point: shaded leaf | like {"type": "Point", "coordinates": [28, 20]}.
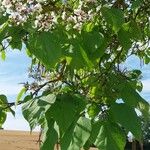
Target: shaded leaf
{"type": "Point", "coordinates": [110, 136]}
{"type": "Point", "coordinates": [122, 114]}
{"type": "Point", "coordinates": [68, 135]}
{"type": "Point", "coordinates": [46, 47]}
{"type": "Point", "coordinates": [124, 39]}
{"type": "Point", "coordinates": [34, 110]}
{"type": "Point", "coordinates": [65, 109]}
{"type": "Point", "coordinates": [132, 98]}
{"type": "Point", "coordinates": [94, 44]}
{"type": "Point", "coordinates": [113, 17]}
{"type": "Point", "coordinates": [136, 4]}
{"type": "Point", "coordinates": [81, 133]}
{"type": "Point", "coordinates": [3, 99]}
{"type": "Point", "coordinates": [49, 137]}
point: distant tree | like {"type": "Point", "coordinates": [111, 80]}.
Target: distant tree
{"type": "Point", "coordinates": [146, 131]}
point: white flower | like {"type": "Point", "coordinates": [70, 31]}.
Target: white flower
{"type": "Point", "coordinates": [37, 7]}
{"type": "Point", "coordinates": [6, 2]}
{"type": "Point", "coordinates": [20, 11]}
{"type": "Point", "coordinates": [63, 16]}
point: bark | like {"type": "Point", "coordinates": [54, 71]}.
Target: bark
{"type": "Point", "coordinates": [134, 145]}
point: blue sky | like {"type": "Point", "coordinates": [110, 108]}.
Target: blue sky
{"type": "Point", "coordinates": [134, 63]}
{"type": "Point", "coordinates": [14, 71]}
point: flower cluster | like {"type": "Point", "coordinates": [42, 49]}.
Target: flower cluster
{"type": "Point", "coordinates": [20, 11]}
{"type": "Point", "coordinates": [45, 21]}
{"type": "Point", "coordinates": [83, 13]}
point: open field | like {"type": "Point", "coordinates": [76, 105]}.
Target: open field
{"type": "Point", "coordinates": [16, 140]}
{"type": "Point", "coordinates": [19, 140]}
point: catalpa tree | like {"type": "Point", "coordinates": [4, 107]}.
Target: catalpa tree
{"type": "Point", "coordinates": [82, 93]}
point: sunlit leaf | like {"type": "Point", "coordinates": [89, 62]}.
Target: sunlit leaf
{"type": "Point", "coordinates": [20, 94]}
{"type": "Point", "coordinates": [3, 116]}
{"type": "Point", "coordinates": [3, 55]}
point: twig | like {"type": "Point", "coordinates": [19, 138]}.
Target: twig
{"type": "Point", "coordinates": [9, 105]}
{"type": "Point", "coordinates": [52, 81]}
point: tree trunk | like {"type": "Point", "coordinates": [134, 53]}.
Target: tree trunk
{"type": "Point", "coordinates": [134, 145]}
{"type": "Point", "coordinates": [141, 145]}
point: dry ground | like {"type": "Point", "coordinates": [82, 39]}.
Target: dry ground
{"type": "Point", "coordinates": [16, 140]}
{"type": "Point", "coordinates": [19, 140]}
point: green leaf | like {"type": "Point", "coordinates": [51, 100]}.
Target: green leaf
{"type": "Point", "coordinates": [27, 98]}
{"type": "Point", "coordinates": [146, 59]}
{"type": "Point", "coordinates": [3, 116]}
{"type": "Point", "coordinates": [113, 17]}
{"type": "Point", "coordinates": [136, 73]}
{"type": "Point", "coordinates": [20, 94]}
{"type": "Point", "coordinates": [46, 47]}
{"type": "Point", "coordinates": [34, 110]}
{"type": "Point", "coordinates": [124, 39]}
{"type": "Point", "coordinates": [94, 44]}
{"type": "Point", "coordinates": [4, 105]}
{"type": "Point", "coordinates": [3, 18]}
{"type": "Point", "coordinates": [132, 98]}
{"type": "Point", "coordinates": [85, 49]}
{"type": "Point", "coordinates": [110, 137]}
{"type": "Point", "coordinates": [96, 125]}
{"type": "Point", "coordinates": [17, 33]}
{"type": "Point", "coordinates": [65, 109]}
{"type": "Point", "coordinates": [136, 4]}
{"type": "Point", "coordinates": [75, 58]}
{"type": "Point", "coordinates": [139, 86]}
{"type": "Point", "coordinates": [28, 53]}
{"type": "Point", "coordinates": [50, 136]}
{"type": "Point", "coordinates": [147, 31]}
{"type": "Point", "coordinates": [81, 133]}
{"type": "Point", "coordinates": [89, 27]}
{"type": "Point", "coordinates": [85, 57]}
{"type": "Point", "coordinates": [68, 135]}
{"type": "Point", "coordinates": [30, 110]}
{"type": "Point", "coordinates": [3, 55]}
{"type": "Point", "coordinates": [144, 107]}
{"type": "Point", "coordinates": [135, 35]}
{"type": "Point", "coordinates": [126, 115]}
{"type": "Point", "coordinates": [3, 31]}
{"type": "Point", "coordinates": [93, 110]}
{"type": "Point", "coordinates": [3, 99]}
